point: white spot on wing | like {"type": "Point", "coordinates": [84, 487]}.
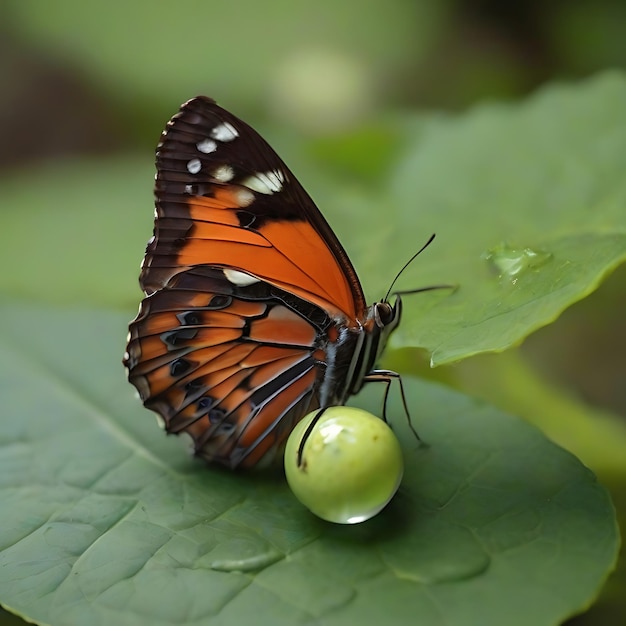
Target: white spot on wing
{"type": "Point", "coordinates": [241, 279]}
{"type": "Point", "coordinates": [244, 197]}
{"type": "Point", "coordinates": [194, 166]}
{"type": "Point", "coordinates": [206, 146]}
{"type": "Point", "coordinates": [266, 182]}
{"type": "Point", "coordinates": [223, 173]}
{"type": "Point", "coordinates": [224, 132]}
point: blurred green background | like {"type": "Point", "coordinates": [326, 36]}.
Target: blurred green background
{"type": "Point", "coordinates": [82, 82]}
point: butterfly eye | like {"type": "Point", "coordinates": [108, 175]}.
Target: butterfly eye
{"type": "Point", "coordinates": [385, 313]}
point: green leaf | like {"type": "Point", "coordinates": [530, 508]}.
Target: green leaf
{"type": "Point", "coordinates": [105, 520]}
{"type": "Point", "coordinates": [529, 205]}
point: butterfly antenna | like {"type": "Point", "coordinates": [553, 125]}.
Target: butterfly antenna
{"type": "Point", "coordinates": [393, 282]}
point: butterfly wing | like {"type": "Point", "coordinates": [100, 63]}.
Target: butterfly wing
{"type": "Point", "coordinates": [236, 367]}
{"type": "Point", "coordinates": [225, 198]}
{"type": "Point", "coordinates": [250, 299]}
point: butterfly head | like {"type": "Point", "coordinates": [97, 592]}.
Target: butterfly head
{"type": "Point", "coordinates": [386, 317]}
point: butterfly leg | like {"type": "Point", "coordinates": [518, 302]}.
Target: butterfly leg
{"type": "Point", "coordinates": [307, 434]}
{"type": "Point", "coordinates": [386, 376]}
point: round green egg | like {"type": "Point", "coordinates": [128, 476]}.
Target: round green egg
{"type": "Point", "coordinates": [351, 464]}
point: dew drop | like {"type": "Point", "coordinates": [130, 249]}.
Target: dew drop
{"type": "Point", "coordinates": [511, 261]}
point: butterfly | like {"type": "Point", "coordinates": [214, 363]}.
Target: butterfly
{"type": "Point", "coordinates": [253, 314]}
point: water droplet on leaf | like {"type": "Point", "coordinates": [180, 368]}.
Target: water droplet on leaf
{"type": "Point", "coordinates": [511, 261]}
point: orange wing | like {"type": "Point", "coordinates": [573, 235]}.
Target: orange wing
{"type": "Point", "coordinates": [234, 367]}
{"type": "Point", "coordinates": [224, 198]}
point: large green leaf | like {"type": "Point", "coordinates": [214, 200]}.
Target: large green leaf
{"type": "Point", "coordinates": [529, 202]}
{"type": "Point", "coordinates": [105, 520]}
